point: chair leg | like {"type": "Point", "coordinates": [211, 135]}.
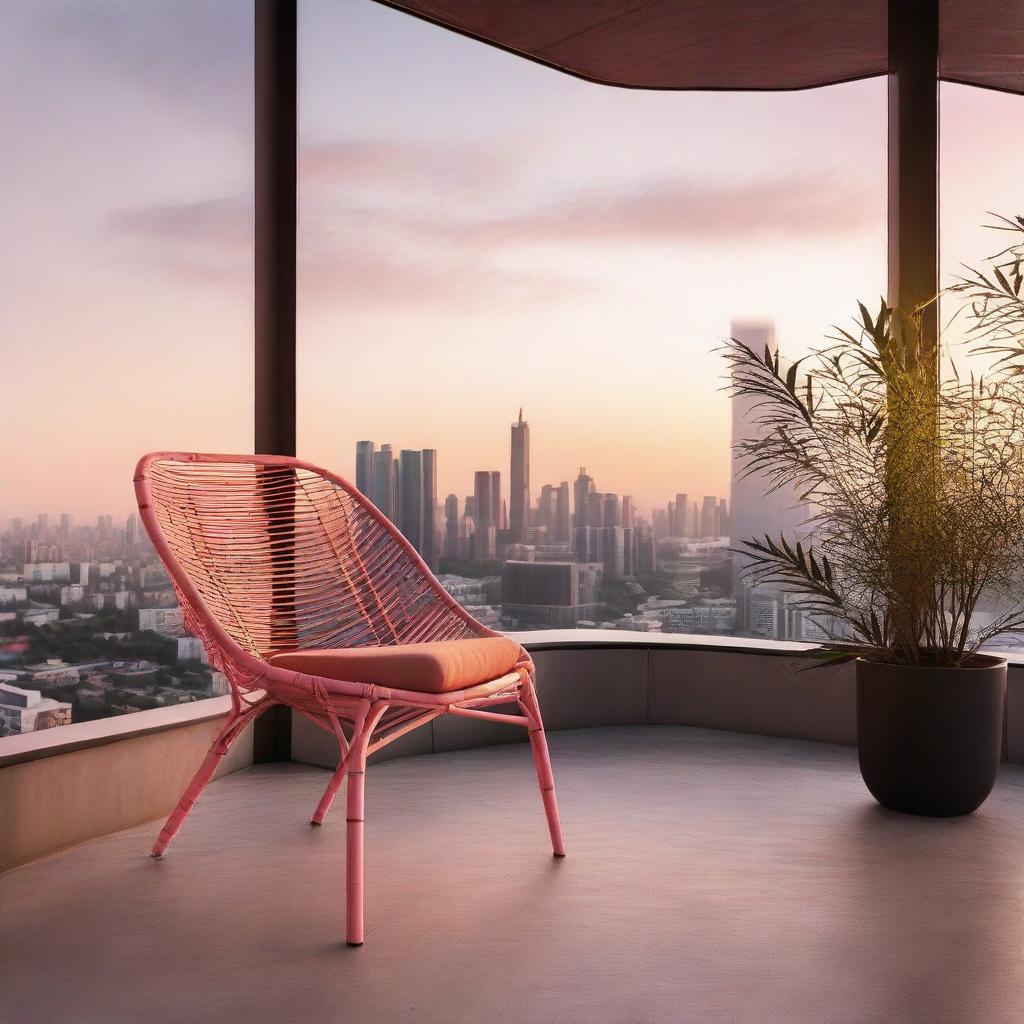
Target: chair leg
{"type": "Point", "coordinates": [365, 722]}
{"type": "Point", "coordinates": [354, 853]}
{"type": "Point", "coordinates": [330, 792]}
{"type": "Point", "coordinates": [542, 762]}
{"type": "Point", "coordinates": [196, 786]}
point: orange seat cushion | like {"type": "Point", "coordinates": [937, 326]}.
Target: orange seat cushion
{"type": "Point", "coordinates": [437, 667]}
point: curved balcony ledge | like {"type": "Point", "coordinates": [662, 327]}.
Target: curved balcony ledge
{"type": "Point", "coordinates": [66, 785]}
{"type": "Point", "coordinates": [80, 735]}
{"type": "Point", "coordinates": [67, 739]}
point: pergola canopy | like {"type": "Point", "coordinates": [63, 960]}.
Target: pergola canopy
{"type": "Point", "coordinates": [734, 44]}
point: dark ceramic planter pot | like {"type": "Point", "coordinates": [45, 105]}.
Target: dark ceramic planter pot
{"type": "Point", "coordinates": [930, 739]}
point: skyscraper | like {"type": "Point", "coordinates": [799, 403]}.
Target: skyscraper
{"type": "Point", "coordinates": [497, 505]}
{"type": "Point", "coordinates": [628, 512]}
{"type": "Point", "coordinates": [562, 531]}
{"type": "Point", "coordinates": [382, 492]}
{"type": "Point", "coordinates": [659, 524]}
{"type": "Point", "coordinates": [364, 467]}
{"type": "Point", "coordinates": [410, 520]}
{"type": "Point", "coordinates": [483, 504]}
{"type": "Point", "coordinates": [131, 532]}
{"type": "Point", "coordinates": [451, 526]}
{"type": "Point", "coordinates": [612, 511]}
{"type": "Point", "coordinates": [753, 508]}
{"type": "Point", "coordinates": [428, 504]}
{"type": "Point", "coordinates": [682, 509]}
{"type": "Point", "coordinates": [581, 497]}
{"type": "Point", "coordinates": [546, 510]}
{"type": "Point", "coordinates": [486, 517]}
{"type": "Point", "coordinates": [519, 482]}
{"type": "Point", "coordinates": [708, 516]}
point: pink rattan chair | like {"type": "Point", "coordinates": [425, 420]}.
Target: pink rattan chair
{"type": "Point", "coordinates": [305, 595]}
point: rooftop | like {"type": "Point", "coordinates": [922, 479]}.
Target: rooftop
{"type": "Point", "coordinates": [711, 876]}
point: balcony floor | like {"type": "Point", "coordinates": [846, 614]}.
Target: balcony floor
{"type": "Point", "coordinates": [710, 877]}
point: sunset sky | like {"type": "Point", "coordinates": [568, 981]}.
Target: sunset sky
{"type": "Point", "coordinates": [478, 233]}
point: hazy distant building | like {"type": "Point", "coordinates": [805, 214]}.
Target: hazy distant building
{"type": "Point", "coordinates": [382, 488]}
{"type": "Point", "coordinates": [616, 552]}
{"type": "Point", "coordinates": [628, 512]}
{"type": "Point", "coordinates": [519, 482]}
{"type": "Point", "coordinates": [498, 506]}
{"type": "Point", "coordinates": [764, 613]}
{"type": "Point", "coordinates": [581, 498]}
{"type": "Point", "coordinates": [418, 501]}
{"type": "Point", "coordinates": [563, 515]}
{"type": "Point", "coordinates": [428, 513]}
{"type": "Point", "coordinates": [364, 467]}
{"type": "Point", "coordinates": [546, 508]}
{"type": "Point", "coordinates": [709, 516]}
{"type": "Point", "coordinates": [645, 550]}
{"type": "Point", "coordinates": [612, 511]}
{"type": "Point", "coordinates": [680, 516]}
{"type": "Point", "coordinates": [587, 544]}
{"type": "Point", "coordinates": [131, 531]}
{"type": "Point", "coordinates": [483, 498]}
{"type": "Point", "coordinates": [47, 572]}
{"type": "Point", "coordinates": [486, 507]}
{"type": "Point", "coordinates": [659, 524]}
{"type": "Point", "coordinates": [553, 594]}
{"type": "Point", "coordinates": [609, 546]}
{"type": "Point", "coordinates": [167, 621]}
{"type": "Point", "coordinates": [754, 509]}
{"type": "Point", "coordinates": [480, 596]}
{"type": "Point", "coordinates": [451, 526]}
{"type": "Point", "coordinates": [410, 519]}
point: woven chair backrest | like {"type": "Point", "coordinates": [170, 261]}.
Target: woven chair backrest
{"type": "Point", "coordinates": [286, 556]}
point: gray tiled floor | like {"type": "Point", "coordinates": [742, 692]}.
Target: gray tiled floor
{"type": "Point", "coordinates": [710, 877]}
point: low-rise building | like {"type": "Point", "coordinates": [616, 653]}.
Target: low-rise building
{"type": "Point", "coordinates": [72, 593]}
{"type": "Point", "coordinates": [161, 620]}
{"type": "Point", "coordinates": [54, 672]}
{"type": "Point", "coordinates": [40, 615]}
{"type": "Point", "coordinates": [47, 572]}
{"type": "Point", "coordinates": [24, 711]}
{"type": "Point", "coordinates": [549, 594]}
{"type": "Point", "coordinates": [191, 648]}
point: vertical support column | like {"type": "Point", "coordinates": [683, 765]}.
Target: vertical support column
{"type": "Point", "coordinates": [914, 162]}
{"type": "Point", "coordinates": [276, 95]}
{"type": "Point", "coordinates": [276, 196]}
{"type": "Point", "coordinates": [912, 421]}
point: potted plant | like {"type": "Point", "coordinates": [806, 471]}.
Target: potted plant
{"type": "Point", "coordinates": [916, 525]}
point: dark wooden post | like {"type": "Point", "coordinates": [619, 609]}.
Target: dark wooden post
{"type": "Point", "coordinates": [914, 162]}
{"type": "Point", "coordinates": [276, 219]}
{"type": "Point", "coordinates": [276, 195]}
{"type": "Point", "coordinates": [912, 423]}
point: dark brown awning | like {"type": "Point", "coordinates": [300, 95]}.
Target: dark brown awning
{"type": "Point", "coordinates": [734, 44]}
